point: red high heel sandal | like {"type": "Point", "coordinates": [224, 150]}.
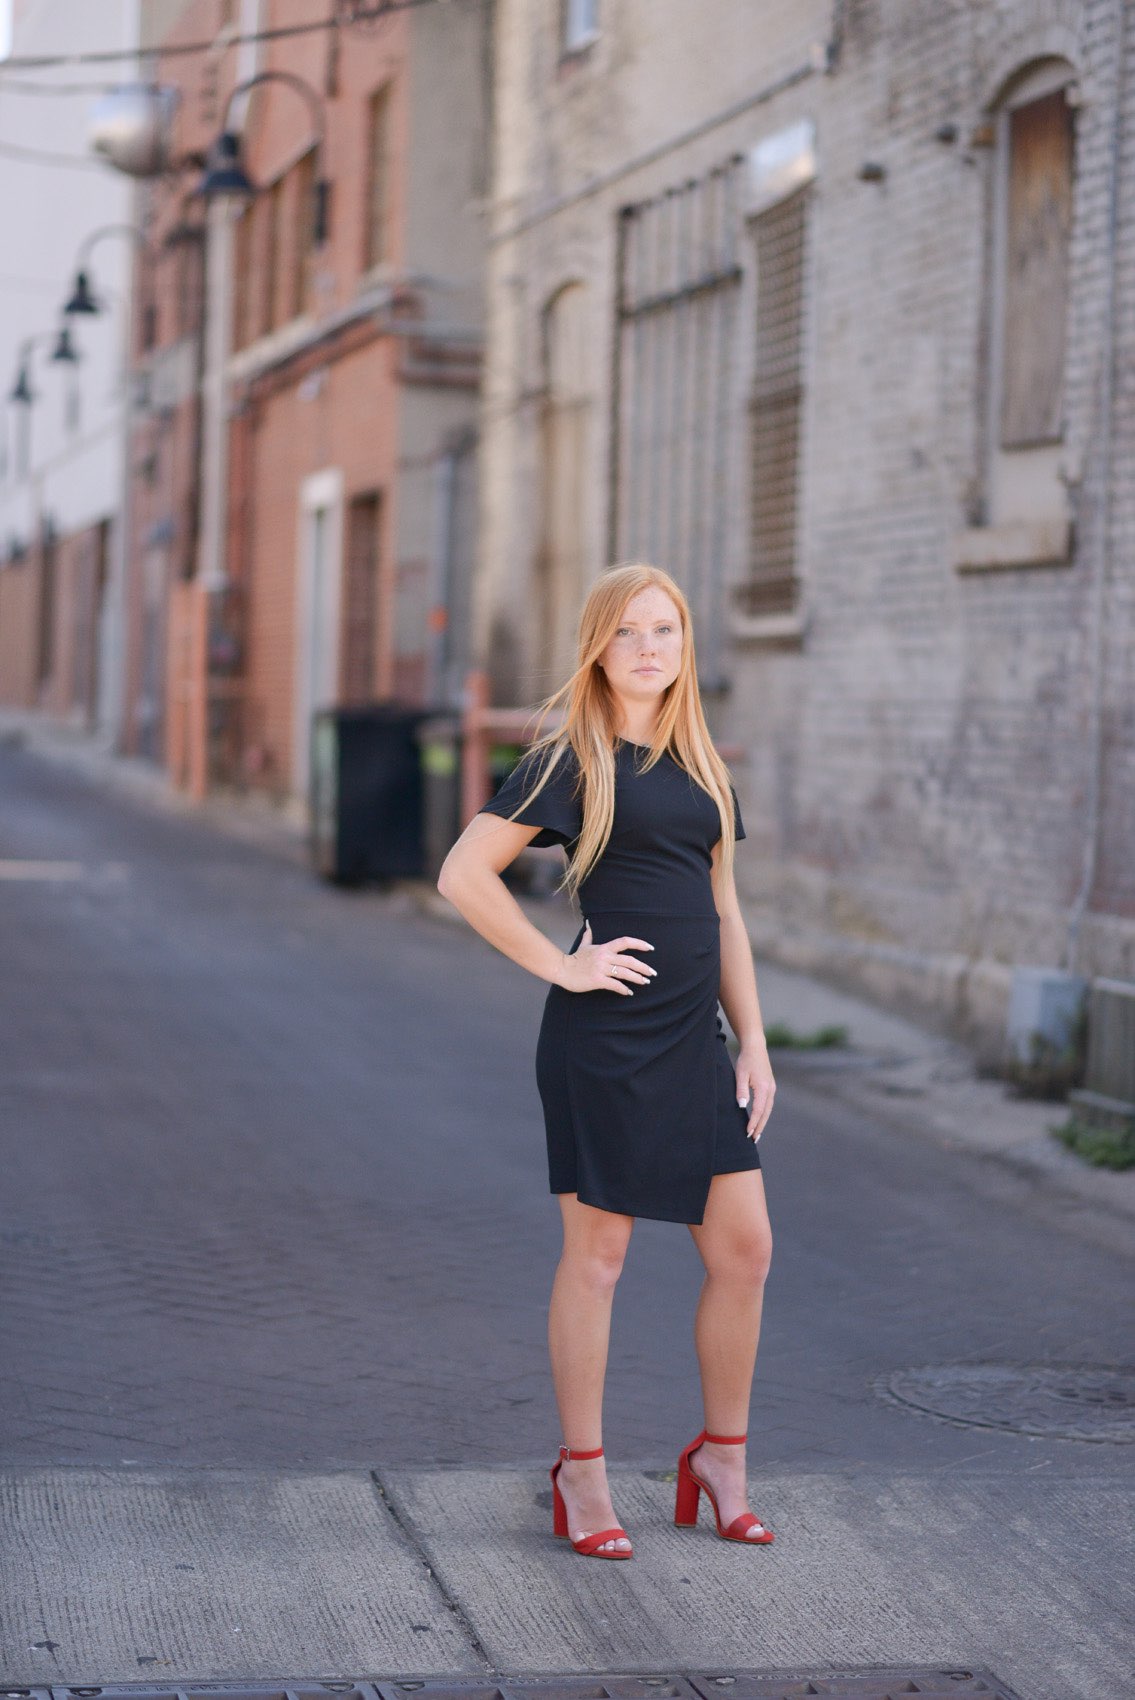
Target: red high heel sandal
{"type": "Point", "coordinates": [589, 1545]}
{"type": "Point", "coordinates": [691, 1485]}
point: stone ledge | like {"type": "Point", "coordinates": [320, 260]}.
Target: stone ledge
{"type": "Point", "coordinates": [1017, 543]}
{"type": "Point", "coordinates": [787, 630]}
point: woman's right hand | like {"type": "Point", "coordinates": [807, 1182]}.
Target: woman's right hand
{"type": "Point", "coordinates": [603, 967]}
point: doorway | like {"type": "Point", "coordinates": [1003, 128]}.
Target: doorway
{"type": "Point", "coordinates": [318, 600]}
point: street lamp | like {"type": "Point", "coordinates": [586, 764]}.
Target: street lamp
{"type": "Point", "coordinates": [65, 351]}
{"type": "Point", "coordinates": [21, 392]}
{"type": "Point", "coordinates": [82, 298]}
{"type": "Point", "coordinates": [225, 176]}
{"type": "Point", "coordinates": [22, 395]}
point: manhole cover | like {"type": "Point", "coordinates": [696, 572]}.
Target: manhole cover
{"type": "Point", "coordinates": [1064, 1401]}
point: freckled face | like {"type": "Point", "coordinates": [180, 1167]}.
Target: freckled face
{"type": "Point", "coordinates": [645, 652]}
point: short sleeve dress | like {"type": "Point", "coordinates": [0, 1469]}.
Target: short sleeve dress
{"type": "Point", "coordinates": [639, 1093]}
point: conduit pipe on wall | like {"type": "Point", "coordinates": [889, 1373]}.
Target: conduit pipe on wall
{"type": "Point", "coordinates": [1101, 538]}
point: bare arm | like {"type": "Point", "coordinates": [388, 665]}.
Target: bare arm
{"type": "Point", "coordinates": [470, 880]}
{"type": "Point", "coordinates": [739, 1000]}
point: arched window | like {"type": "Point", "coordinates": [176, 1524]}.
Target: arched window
{"type": "Point", "coordinates": [1023, 516]}
{"type": "Point", "coordinates": [1034, 216]}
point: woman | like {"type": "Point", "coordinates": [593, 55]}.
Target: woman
{"type": "Point", "coordinates": [644, 1113]}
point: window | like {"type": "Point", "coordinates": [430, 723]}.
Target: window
{"type": "Point", "coordinates": [190, 283]}
{"type": "Point", "coordinates": [277, 281]}
{"type": "Point", "coordinates": [674, 395]}
{"type": "Point", "coordinates": [1019, 513]}
{"type": "Point", "coordinates": [268, 217]}
{"type": "Point", "coordinates": [1037, 229]}
{"type": "Point", "coordinates": [360, 599]}
{"type": "Point", "coordinates": [252, 271]}
{"type": "Point", "coordinates": [580, 23]}
{"type": "Point", "coordinates": [303, 224]}
{"type": "Point", "coordinates": [275, 236]}
{"type": "Point", "coordinates": [242, 261]}
{"type": "Point", "coordinates": [775, 409]}
{"type": "Point", "coordinates": [377, 210]}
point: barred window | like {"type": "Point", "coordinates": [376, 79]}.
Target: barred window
{"type": "Point", "coordinates": [673, 394]}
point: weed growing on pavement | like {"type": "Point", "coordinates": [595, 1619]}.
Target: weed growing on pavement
{"type": "Point", "coordinates": [1104, 1147]}
{"type": "Point", "coordinates": [779, 1033]}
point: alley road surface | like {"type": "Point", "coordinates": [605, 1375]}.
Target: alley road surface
{"type": "Point", "coordinates": [275, 1253]}
{"type": "Point", "coordinates": [275, 1195]}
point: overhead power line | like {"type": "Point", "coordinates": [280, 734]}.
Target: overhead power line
{"type": "Point", "coordinates": [41, 156]}
{"type": "Point", "coordinates": [341, 19]}
{"type": "Point", "coordinates": [13, 85]}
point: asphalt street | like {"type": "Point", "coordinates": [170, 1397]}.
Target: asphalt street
{"type": "Point", "coordinates": [275, 1200]}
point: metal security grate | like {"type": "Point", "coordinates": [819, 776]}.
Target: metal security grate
{"type": "Point", "coordinates": [673, 402]}
{"type": "Point", "coordinates": [775, 408]}
{"type": "Point", "coordinates": [853, 1683]}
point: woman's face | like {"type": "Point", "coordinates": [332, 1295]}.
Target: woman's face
{"type": "Point", "coordinates": [644, 654]}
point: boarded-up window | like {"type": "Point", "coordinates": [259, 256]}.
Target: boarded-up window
{"type": "Point", "coordinates": [1038, 222]}
{"type": "Point", "coordinates": [360, 605]}
{"type": "Point", "coordinates": [775, 408]}
{"type": "Point", "coordinates": [377, 210]}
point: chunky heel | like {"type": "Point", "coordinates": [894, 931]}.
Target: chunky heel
{"type": "Point", "coordinates": [690, 1486]}
{"type": "Point", "coordinates": [559, 1509]}
{"type": "Point", "coordinates": [589, 1545]}
{"type": "Point", "coordinates": [686, 1501]}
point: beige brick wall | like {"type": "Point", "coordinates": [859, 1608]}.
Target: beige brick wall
{"type": "Point", "coordinates": [916, 779]}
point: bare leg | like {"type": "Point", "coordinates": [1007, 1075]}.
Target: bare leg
{"type": "Point", "coordinates": [579, 1330]}
{"type": "Point", "coordinates": [734, 1241]}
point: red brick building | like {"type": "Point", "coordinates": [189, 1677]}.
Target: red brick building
{"type": "Point", "coordinates": [309, 359]}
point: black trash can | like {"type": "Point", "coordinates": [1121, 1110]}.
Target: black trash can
{"type": "Point", "coordinates": [366, 793]}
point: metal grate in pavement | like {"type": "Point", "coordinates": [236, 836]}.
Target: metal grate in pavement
{"type": "Point", "coordinates": [852, 1683]}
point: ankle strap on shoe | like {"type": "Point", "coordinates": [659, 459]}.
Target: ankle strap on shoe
{"type": "Point", "coordinates": [566, 1452]}
{"type": "Point", "coordinates": [724, 1439]}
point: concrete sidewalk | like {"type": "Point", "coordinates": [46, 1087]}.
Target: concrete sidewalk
{"type": "Point", "coordinates": [891, 1068]}
{"type": "Point", "coordinates": [174, 1577]}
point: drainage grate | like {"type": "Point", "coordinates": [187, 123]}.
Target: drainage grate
{"type": "Point", "coordinates": [1061, 1401]}
{"type": "Point", "coordinates": [857, 1683]}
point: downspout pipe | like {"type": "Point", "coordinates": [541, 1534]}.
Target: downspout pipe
{"type": "Point", "coordinates": [1101, 538]}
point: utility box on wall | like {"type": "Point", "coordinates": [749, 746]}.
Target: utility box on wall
{"type": "Point", "coordinates": [1107, 1098]}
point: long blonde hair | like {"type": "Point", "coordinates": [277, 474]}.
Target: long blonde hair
{"type": "Point", "coordinates": [589, 723]}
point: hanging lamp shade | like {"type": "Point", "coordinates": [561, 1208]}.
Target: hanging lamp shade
{"type": "Point", "coordinates": [65, 349]}
{"type": "Point", "coordinates": [225, 174]}
{"type": "Point", "coordinates": [82, 301]}
{"type": "Point", "coordinates": [21, 391]}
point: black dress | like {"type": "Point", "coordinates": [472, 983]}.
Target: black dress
{"type": "Point", "coordinates": [639, 1093]}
